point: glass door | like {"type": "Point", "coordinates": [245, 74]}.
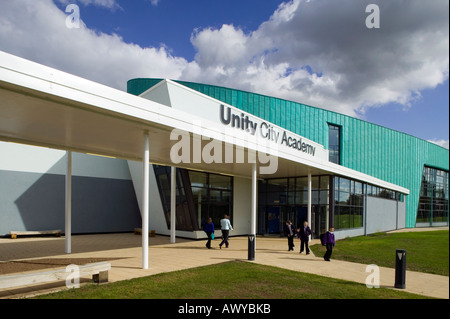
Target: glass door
{"type": "Point", "coordinates": [273, 220]}
{"type": "Point", "coordinates": [319, 220]}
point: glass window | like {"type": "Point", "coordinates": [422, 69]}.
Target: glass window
{"type": "Point", "coordinates": [277, 185]}
{"type": "Point", "coordinates": [302, 198]}
{"type": "Point", "coordinates": [357, 217]}
{"type": "Point", "coordinates": [348, 203]}
{"type": "Point", "coordinates": [334, 143]}
{"type": "Point", "coordinates": [215, 195]}
{"type": "Point", "coordinates": [336, 197]}
{"type": "Point", "coordinates": [315, 197]}
{"type": "Point", "coordinates": [324, 182]}
{"type": "Point", "coordinates": [290, 197]}
{"type": "Point", "coordinates": [344, 198]}
{"type": "Point", "coordinates": [315, 182]}
{"type": "Point", "coordinates": [220, 181]}
{"type": "Point", "coordinates": [198, 179]}
{"type": "Point", "coordinates": [262, 186]}
{"type": "Point", "coordinates": [344, 218]}
{"type": "Point", "coordinates": [433, 201]}
{"type": "Point", "coordinates": [344, 185]}
{"type": "Point", "coordinates": [337, 217]}
{"type": "Point", "coordinates": [199, 195]}
{"type": "Point", "coordinates": [324, 197]}
{"type": "Point", "coordinates": [302, 183]}
{"type": "Point", "coordinates": [358, 188]}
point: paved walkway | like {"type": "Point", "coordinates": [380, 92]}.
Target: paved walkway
{"type": "Point", "coordinates": [166, 257]}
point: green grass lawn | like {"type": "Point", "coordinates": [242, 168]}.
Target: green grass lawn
{"type": "Point", "coordinates": [426, 251]}
{"type": "Point", "coordinates": [232, 280]}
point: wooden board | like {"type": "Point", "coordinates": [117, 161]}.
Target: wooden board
{"type": "Point", "coordinates": [14, 233]}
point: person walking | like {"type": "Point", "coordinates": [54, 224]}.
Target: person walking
{"type": "Point", "coordinates": [209, 230]}
{"type": "Point", "coordinates": [329, 242]}
{"type": "Point", "coordinates": [289, 231]}
{"type": "Point", "coordinates": [303, 234]}
{"type": "Point", "coordinates": [226, 227]}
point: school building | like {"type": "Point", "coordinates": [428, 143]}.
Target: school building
{"type": "Point", "coordinates": [73, 156]}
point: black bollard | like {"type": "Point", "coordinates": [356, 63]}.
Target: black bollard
{"type": "Point", "coordinates": [400, 269]}
{"type": "Point", "coordinates": [251, 247]}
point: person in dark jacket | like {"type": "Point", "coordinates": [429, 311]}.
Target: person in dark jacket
{"type": "Point", "coordinates": [209, 230]}
{"type": "Point", "coordinates": [329, 242]}
{"type": "Point", "coordinates": [304, 233]}
{"type": "Point", "coordinates": [289, 231]}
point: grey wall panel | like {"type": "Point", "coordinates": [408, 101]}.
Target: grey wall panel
{"type": "Point", "coordinates": [30, 201]}
{"type": "Point", "coordinates": [104, 205]}
{"type": "Point", "coordinates": [341, 234]}
{"type": "Point", "coordinates": [401, 223]}
{"type": "Point", "coordinates": [381, 215]}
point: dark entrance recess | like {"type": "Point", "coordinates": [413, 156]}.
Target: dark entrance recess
{"type": "Point", "coordinates": [286, 199]}
{"type": "Point", "coordinates": [200, 195]}
{"type": "Point", "coordinates": [186, 217]}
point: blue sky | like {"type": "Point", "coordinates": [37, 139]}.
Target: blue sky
{"type": "Point", "coordinates": [426, 118]}
{"type": "Point", "coordinates": [172, 22]}
{"type": "Point", "coordinates": [317, 52]}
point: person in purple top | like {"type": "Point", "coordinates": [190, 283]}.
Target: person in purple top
{"type": "Point", "coordinates": [209, 230]}
{"type": "Point", "coordinates": [329, 242]}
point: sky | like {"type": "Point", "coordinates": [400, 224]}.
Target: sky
{"type": "Point", "coordinates": [316, 52]}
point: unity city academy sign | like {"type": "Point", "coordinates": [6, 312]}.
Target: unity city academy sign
{"type": "Point", "coordinates": [266, 130]}
{"type": "Point", "coordinates": [236, 125]}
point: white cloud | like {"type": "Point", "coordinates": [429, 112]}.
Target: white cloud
{"type": "Point", "coordinates": [443, 143]}
{"type": "Point", "coordinates": [155, 2]}
{"type": "Point", "coordinates": [36, 30]}
{"type": "Point", "coordinates": [321, 53]}
{"type": "Point", "coordinates": [316, 52]}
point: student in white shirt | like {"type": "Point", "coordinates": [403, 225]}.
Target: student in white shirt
{"type": "Point", "coordinates": [226, 227]}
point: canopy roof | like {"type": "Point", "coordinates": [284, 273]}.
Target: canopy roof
{"type": "Point", "coordinates": [45, 107]}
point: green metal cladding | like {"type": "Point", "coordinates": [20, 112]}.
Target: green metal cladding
{"type": "Point", "coordinates": [384, 153]}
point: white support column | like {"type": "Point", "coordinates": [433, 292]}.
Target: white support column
{"type": "Point", "coordinates": [173, 204]}
{"type": "Point", "coordinates": [309, 201]}
{"type": "Point", "coordinates": [145, 201]}
{"type": "Point", "coordinates": [252, 237]}
{"type": "Point", "coordinates": [68, 210]}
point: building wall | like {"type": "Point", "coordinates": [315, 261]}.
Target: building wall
{"type": "Point", "coordinates": [381, 215]}
{"type": "Point", "coordinates": [401, 222]}
{"type": "Point", "coordinates": [386, 154]}
{"type": "Point", "coordinates": [32, 191]}
{"type": "Point", "coordinates": [341, 234]}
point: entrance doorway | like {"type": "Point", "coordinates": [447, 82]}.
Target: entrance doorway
{"type": "Point", "coordinates": [283, 199]}
{"type": "Point", "coordinates": [278, 215]}
{"type": "Point", "coordinates": [273, 220]}
{"type": "Point", "coordinates": [319, 220]}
